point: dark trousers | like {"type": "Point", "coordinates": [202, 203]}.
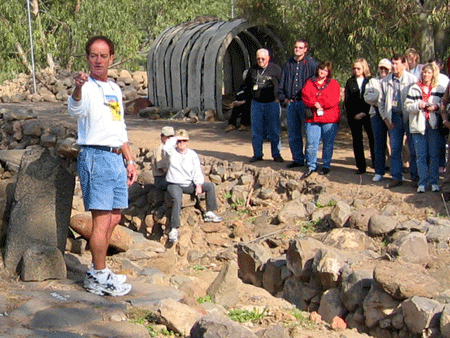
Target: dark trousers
{"type": "Point", "coordinates": [176, 194]}
{"type": "Point", "coordinates": [356, 127]}
{"type": "Point", "coordinates": [244, 112]}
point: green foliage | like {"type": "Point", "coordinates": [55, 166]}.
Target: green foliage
{"type": "Point", "coordinates": [308, 227]}
{"type": "Point", "coordinates": [302, 318]}
{"type": "Point", "coordinates": [206, 299]}
{"type": "Point", "coordinates": [60, 31]}
{"type": "Point", "coordinates": [148, 319]}
{"type": "Point", "coordinates": [341, 31]}
{"type": "Point", "coordinates": [243, 316]}
{"type": "Point", "coordinates": [331, 203]}
{"type": "Point", "coordinates": [198, 267]}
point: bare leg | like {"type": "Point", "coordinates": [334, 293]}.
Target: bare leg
{"type": "Point", "coordinates": [103, 224]}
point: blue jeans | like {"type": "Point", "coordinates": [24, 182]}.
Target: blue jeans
{"type": "Point", "coordinates": [427, 147]}
{"type": "Point", "coordinates": [400, 129]}
{"type": "Point", "coordinates": [295, 122]}
{"type": "Point", "coordinates": [314, 133]}
{"type": "Point", "coordinates": [380, 136]}
{"type": "Point", "coordinates": [265, 119]}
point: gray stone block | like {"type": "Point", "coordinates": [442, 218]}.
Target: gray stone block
{"type": "Point", "coordinates": [41, 262]}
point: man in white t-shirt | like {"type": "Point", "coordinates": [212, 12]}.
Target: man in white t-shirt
{"type": "Point", "coordinates": [104, 177]}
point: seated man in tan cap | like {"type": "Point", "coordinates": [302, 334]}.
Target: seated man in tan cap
{"type": "Point", "coordinates": [160, 160]}
{"type": "Point", "coordinates": [185, 176]}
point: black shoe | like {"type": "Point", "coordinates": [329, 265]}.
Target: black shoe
{"type": "Point", "coordinates": [360, 171]}
{"type": "Point", "coordinates": [255, 159]}
{"type": "Point", "coordinates": [324, 171]}
{"type": "Point", "coordinates": [295, 165]}
{"type": "Point", "coordinates": [308, 173]}
{"type": "Point", "coordinates": [278, 159]}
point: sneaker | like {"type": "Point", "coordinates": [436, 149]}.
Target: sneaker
{"type": "Point", "coordinates": [442, 170]}
{"type": "Point", "coordinates": [243, 128]}
{"type": "Point", "coordinates": [173, 235]}
{"type": "Point", "coordinates": [230, 127]}
{"type": "Point", "coordinates": [360, 171]}
{"type": "Point", "coordinates": [117, 277]}
{"type": "Point", "coordinates": [421, 188]}
{"type": "Point", "coordinates": [278, 159]}
{"type": "Point", "coordinates": [308, 173]}
{"type": "Point", "coordinates": [110, 287]}
{"type": "Point", "coordinates": [377, 178]}
{"type": "Point", "coordinates": [212, 217]}
{"type": "Point", "coordinates": [435, 188]}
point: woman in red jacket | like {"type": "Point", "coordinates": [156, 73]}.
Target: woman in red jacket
{"type": "Point", "coordinates": [321, 95]}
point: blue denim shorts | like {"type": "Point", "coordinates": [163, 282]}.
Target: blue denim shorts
{"type": "Point", "coordinates": [103, 179]}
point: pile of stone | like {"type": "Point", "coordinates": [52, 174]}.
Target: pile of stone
{"type": "Point", "coordinates": [364, 266]}
{"type": "Point", "coordinates": [56, 84]}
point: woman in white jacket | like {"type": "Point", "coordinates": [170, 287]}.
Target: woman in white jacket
{"type": "Point", "coordinates": [185, 175]}
{"type": "Point", "coordinates": [422, 104]}
{"type": "Point", "coordinates": [380, 130]}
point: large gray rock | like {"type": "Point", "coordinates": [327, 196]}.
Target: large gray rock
{"type": "Point", "coordinates": [251, 259]}
{"type": "Point", "coordinates": [292, 211]}
{"type": "Point", "coordinates": [439, 235]}
{"type": "Point", "coordinates": [176, 316]}
{"type": "Point", "coordinates": [410, 248]}
{"type": "Point", "coordinates": [293, 292]}
{"type": "Point", "coordinates": [355, 285]}
{"type": "Point", "coordinates": [331, 305]}
{"type": "Point", "coordinates": [444, 323]}
{"type": "Point", "coordinates": [327, 266]}
{"type": "Point", "coordinates": [223, 288]}
{"type": "Point", "coordinates": [360, 219]}
{"type": "Point", "coordinates": [272, 275]}
{"type": "Point", "coordinates": [41, 262]}
{"type": "Point", "coordinates": [405, 280]}
{"type": "Point", "coordinates": [300, 255]}
{"type": "Point", "coordinates": [219, 326]}
{"type": "Point", "coordinates": [380, 225]}
{"type": "Point", "coordinates": [378, 305]}
{"type": "Point", "coordinates": [349, 239]}
{"type": "Point", "coordinates": [43, 202]}
{"type": "Point", "coordinates": [276, 331]}
{"type": "Point", "coordinates": [340, 214]}
{"type": "Point", "coordinates": [421, 313]}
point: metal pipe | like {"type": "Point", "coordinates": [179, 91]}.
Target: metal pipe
{"type": "Point", "coordinates": [33, 70]}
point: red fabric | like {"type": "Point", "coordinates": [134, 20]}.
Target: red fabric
{"type": "Point", "coordinates": [328, 99]}
{"type": "Point", "coordinates": [425, 98]}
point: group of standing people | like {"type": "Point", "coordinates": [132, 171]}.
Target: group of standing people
{"type": "Point", "coordinates": [403, 100]}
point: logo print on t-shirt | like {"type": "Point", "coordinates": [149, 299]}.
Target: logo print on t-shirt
{"type": "Point", "coordinates": [114, 107]}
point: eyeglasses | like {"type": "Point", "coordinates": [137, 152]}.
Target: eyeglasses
{"type": "Point", "coordinates": [383, 69]}
{"type": "Point", "coordinates": [261, 59]}
{"type": "Point", "coordinates": [180, 141]}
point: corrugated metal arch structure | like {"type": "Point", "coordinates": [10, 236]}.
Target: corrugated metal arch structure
{"type": "Point", "coordinates": [196, 63]}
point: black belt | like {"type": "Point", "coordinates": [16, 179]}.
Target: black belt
{"type": "Point", "coordinates": [115, 150]}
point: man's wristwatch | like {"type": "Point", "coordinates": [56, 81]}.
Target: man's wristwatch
{"type": "Point", "coordinates": [130, 162]}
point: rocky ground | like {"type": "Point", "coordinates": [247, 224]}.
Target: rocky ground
{"type": "Point", "coordinates": [161, 273]}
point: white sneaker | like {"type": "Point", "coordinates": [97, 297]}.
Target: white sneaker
{"type": "Point", "coordinates": [377, 178]}
{"type": "Point", "coordinates": [110, 287]}
{"type": "Point", "coordinates": [435, 188]}
{"type": "Point", "coordinates": [173, 235]}
{"type": "Point", "coordinates": [119, 278]}
{"type": "Point", "coordinates": [212, 217]}
{"type": "Point", "coordinates": [421, 188]}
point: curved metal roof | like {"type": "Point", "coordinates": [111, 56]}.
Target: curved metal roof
{"type": "Point", "coordinates": [196, 63]}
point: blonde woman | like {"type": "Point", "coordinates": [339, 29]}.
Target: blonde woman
{"type": "Point", "coordinates": [422, 104]}
{"type": "Point", "coordinates": [358, 113]}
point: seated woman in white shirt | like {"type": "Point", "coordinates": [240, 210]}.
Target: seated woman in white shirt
{"type": "Point", "coordinates": [185, 176]}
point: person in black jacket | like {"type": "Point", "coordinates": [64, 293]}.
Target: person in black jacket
{"type": "Point", "coordinates": [358, 113]}
{"type": "Point", "coordinates": [262, 83]}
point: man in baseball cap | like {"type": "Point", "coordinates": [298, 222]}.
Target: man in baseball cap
{"type": "Point", "coordinates": [160, 160]}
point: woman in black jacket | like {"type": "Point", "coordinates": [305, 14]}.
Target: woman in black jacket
{"type": "Point", "coordinates": [358, 113]}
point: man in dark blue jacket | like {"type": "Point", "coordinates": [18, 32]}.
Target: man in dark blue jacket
{"type": "Point", "coordinates": [295, 72]}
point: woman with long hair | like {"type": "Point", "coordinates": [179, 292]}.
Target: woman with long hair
{"type": "Point", "coordinates": [321, 97]}
{"type": "Point", "coordinates": [422, 104]}
{"type": "Point", "coordinates": [358, 113]}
